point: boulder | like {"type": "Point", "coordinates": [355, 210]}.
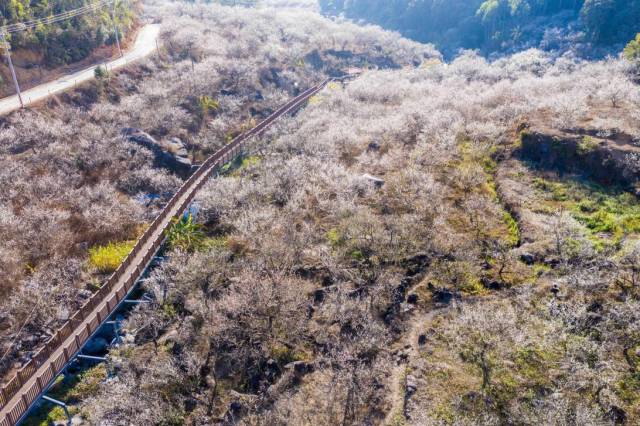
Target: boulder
{"type": "Point", "coordinates": [527, 258]}
{"type": "Point", "coordinates": [176, 147]}
{"type": "Point", "coordinates": [443, 296]}
{"type": "Point", "coordinates": [172, 155]}
{"type": "Point", "coordinates": [376, 181]}
{"type": "Point", "coordinates": [373, 147]}
{"type": "Point", "coordinates": [411, 386]}
{"type": "Point", "coordinates": [299, 367]}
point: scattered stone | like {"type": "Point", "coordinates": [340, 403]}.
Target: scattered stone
{"type": "Point", "coordinates": [319, 295]}
{"type": "Point", "coordinates": [422, 339]}
{"type": "Point", "coordinates": [373, 147]}
{"type": "Point", "coordinates": [376, 181]}
{"type": "Point", "coordinates": [555, 289]}
{"type": "Point", "coordinates": [443, 296]}
{"type": "Point", "coordinates": [175, 146]}
{"type": "Point", "coordinates": [406, 308]}
{"type": "Point", "coordinates": [128, 338]}
{"type": "Point", "coordinates": [412, 298]}
{"type": "Point", "coordinates": [617, 415]}
{"type": "Point", "coordinates": [402, 356]}
{"type": "Point", "coordinates": [173, 155]}
{"type": "Point", "coordinates": [299, 367]}
{"type": "Point", "coordinates": [410, 385]}
{"type": "Point", "coordinates": [592, 319]}
{"type": "Point", "coordinates": [84, 294]}
{"type": "Point", "coordinates": [552, 262]}
{"type": "Point", "coordinates": [169, 336]}
{"type": "Point", "coordinates": [596, 306]}
{"type": "Point", "coordinates": [527, 258]}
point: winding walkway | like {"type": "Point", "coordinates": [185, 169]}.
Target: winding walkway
{"type": "Point", "coordinates": [32, 381]}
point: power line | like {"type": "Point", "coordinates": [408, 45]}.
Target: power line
{"type": "Point", "coordinates": [28, 25]}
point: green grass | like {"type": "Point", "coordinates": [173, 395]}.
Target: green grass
{"type": "Point", "coordinates": [106, 259]}
{"type": "Point", "coordinates": [513, 237]}
{"type": "Point", "coordinates": [335, 238]}
{"type": "Point", "coordinates": [628, 389]}
{"type": "Point", "coordinates": [69, 389]}
{"type": "Point", "coordinates": [605, 212]}
{"type": "Point", "coordinates": [47, 414]}
{"type": "Point", "coordinates": [236, 165]}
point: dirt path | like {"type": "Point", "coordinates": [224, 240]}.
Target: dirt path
{"type": "Point", "coordinates": [407, 344]}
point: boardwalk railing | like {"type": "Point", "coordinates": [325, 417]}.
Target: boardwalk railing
{"type": "Point", "coordinates": [21, 392]}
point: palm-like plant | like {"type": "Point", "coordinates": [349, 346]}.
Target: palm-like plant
{"type": "Point", "coordinates": [186, 235]}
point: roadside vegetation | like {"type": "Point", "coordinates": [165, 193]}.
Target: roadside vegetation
{"type": "Point", "coordinates": [69, 40]}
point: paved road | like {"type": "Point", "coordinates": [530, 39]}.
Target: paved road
{"type": "Point", "coordinates": [144, 45]}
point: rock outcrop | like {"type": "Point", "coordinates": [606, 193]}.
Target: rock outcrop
{"type": "Point", "coordinates": [171, 155]}
{"type": "Point", "coordinates": [610, 158]}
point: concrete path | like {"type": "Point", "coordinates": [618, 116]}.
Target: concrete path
{"type": "Point", "coordinates": [145, 44]}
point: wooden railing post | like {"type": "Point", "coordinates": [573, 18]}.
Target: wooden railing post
{"type": "Point", "coordinates": [176, 205]}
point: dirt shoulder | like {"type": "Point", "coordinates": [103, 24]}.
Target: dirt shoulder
{"type": "Point", "coordinates": [31, 73]}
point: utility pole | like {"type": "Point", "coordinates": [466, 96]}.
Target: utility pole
{"type": "Point", "coordinates": [6, 46]}
{"type": "Point", "coordinates": [115, 27]}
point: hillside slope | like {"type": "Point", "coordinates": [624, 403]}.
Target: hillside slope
{"type": "Point", "coordinates": [589, 28]}
{"type": "Point", "coordinates": [392, 255]}
{"type": "Point", "coordinates": [82, 175]}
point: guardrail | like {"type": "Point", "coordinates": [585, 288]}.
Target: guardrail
{"type": "Point", "coordinates": [37, 375]}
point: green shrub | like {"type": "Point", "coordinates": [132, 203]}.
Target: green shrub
{"type": "Point", "coordinates": [106, 259]}
{"type": "Point", "coordinates": [513, 237]}
{"type": "Point", "coordinates": [101, 73]}
{"type": "Point", "coordinates": [186, 235]}
{"type": "Point", "coordinates": [207, 104]}
{"type": "Point", "coordinates": [632, 51]}
{"type": "Point", "coordinates": [334, 238]}
{"type": "Point", "coordinates": [587, 145]}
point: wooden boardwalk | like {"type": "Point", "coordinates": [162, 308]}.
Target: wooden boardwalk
{"type": "Point", "coordinates": [34, 378]}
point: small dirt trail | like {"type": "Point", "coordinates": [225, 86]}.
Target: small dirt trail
{"type": "Point", "coordinates": [408, 345]}
{"type": "Point", "coordinates": [145, 44]}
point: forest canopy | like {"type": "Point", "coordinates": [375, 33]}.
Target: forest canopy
{"type": "Point", "coordinates": [498, 25]}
